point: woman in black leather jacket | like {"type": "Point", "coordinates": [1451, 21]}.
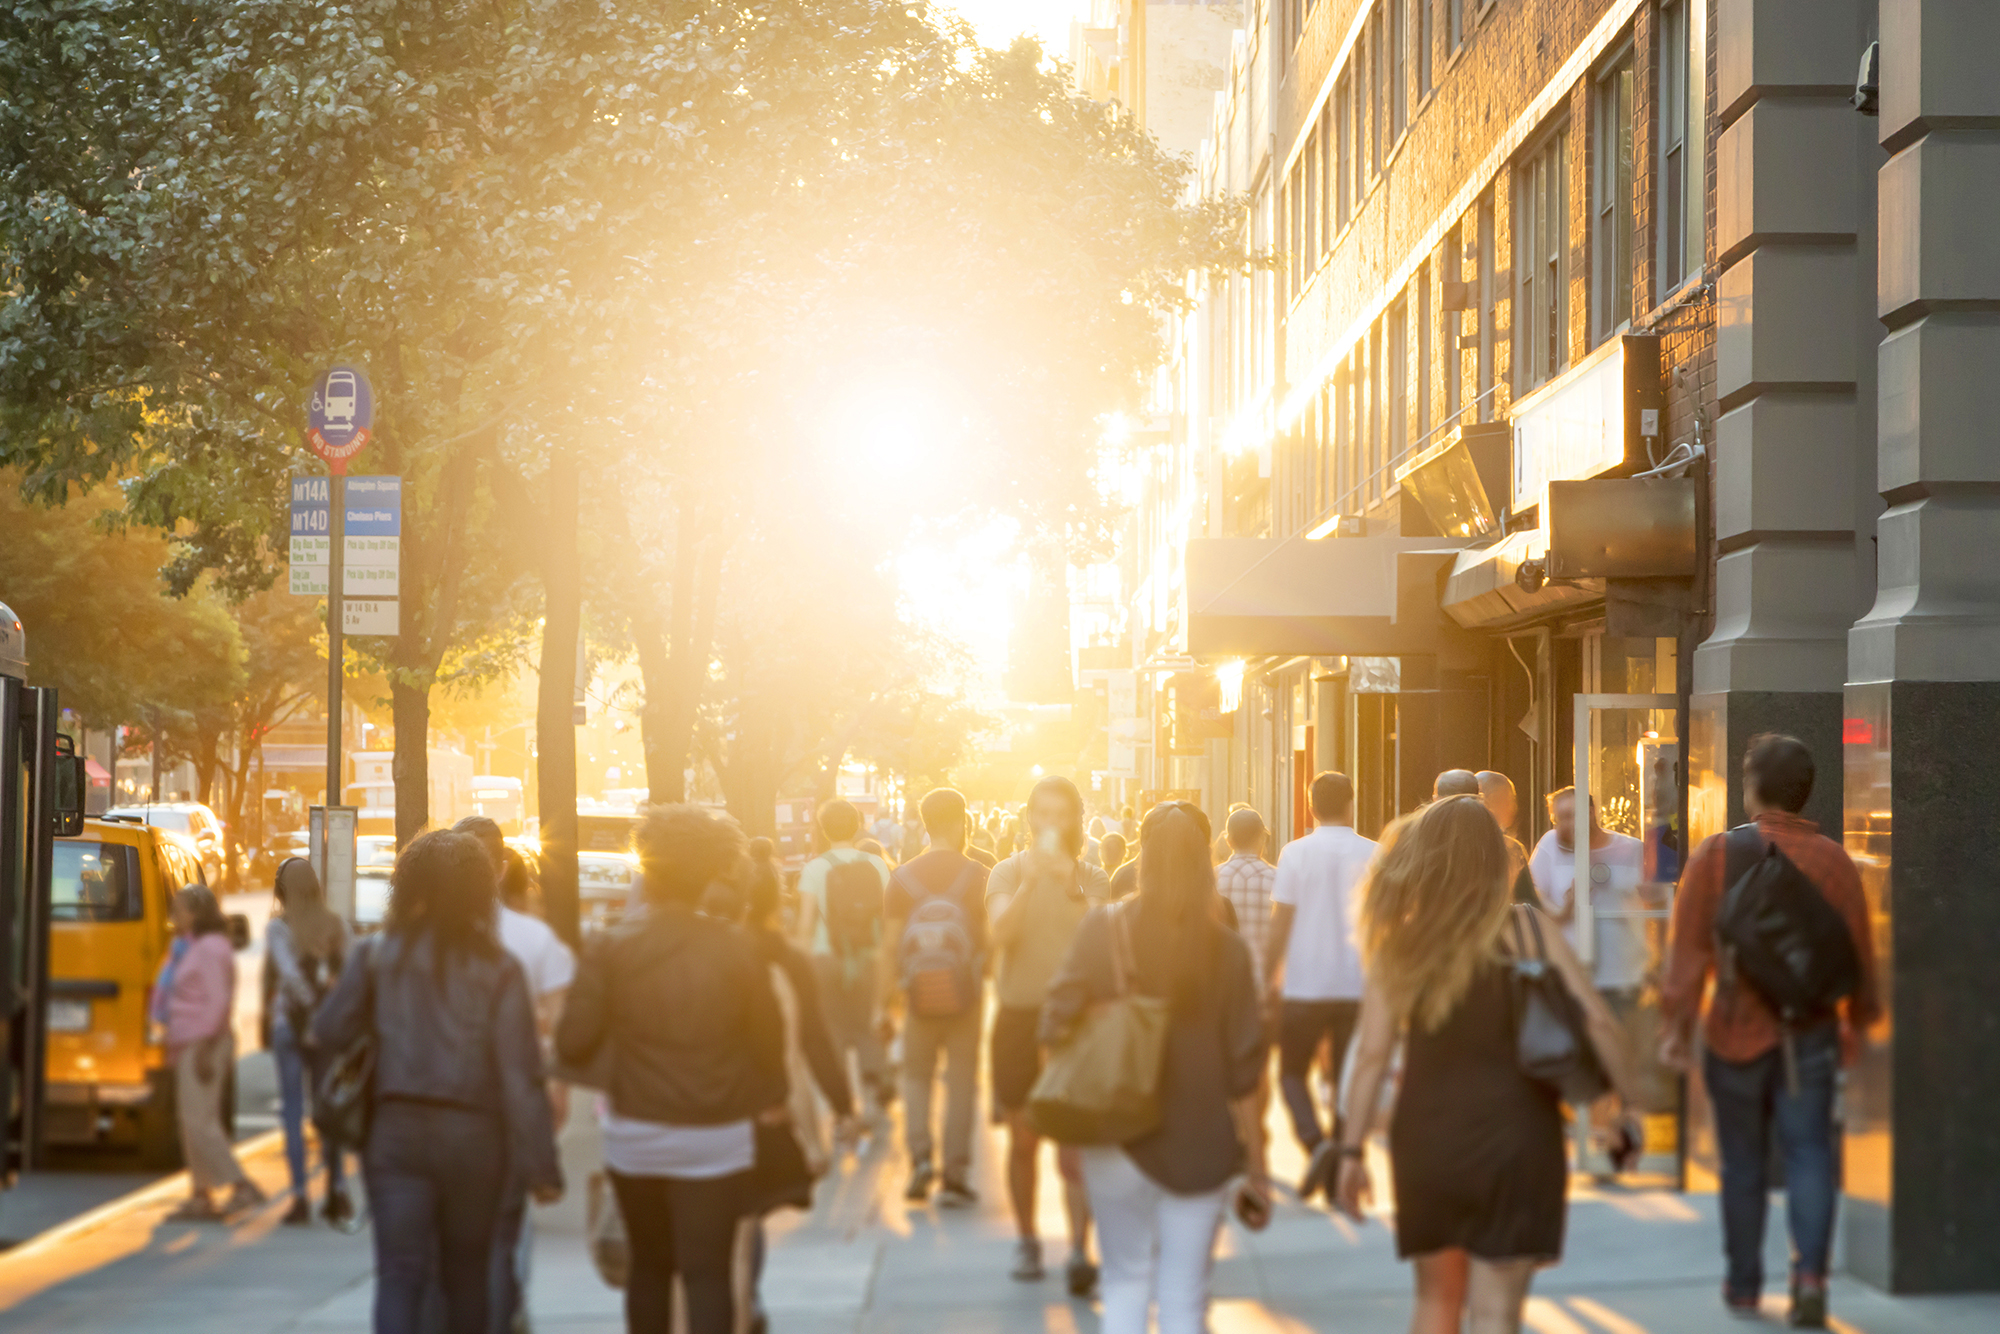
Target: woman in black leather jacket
{"type": "Point", "coordinates": [458, 1082]}
{"type": "Point", "coordinates": [676, 1011]}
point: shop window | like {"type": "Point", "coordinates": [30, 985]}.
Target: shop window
{"type": "Point", "coordinates": [1612, 202]}
{"type": "Point", "coordinates": [1541, 261]}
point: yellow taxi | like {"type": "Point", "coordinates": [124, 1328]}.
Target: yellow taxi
{"type": "Point", "coordinates": [108, 1082]}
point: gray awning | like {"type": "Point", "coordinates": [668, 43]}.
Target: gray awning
{"type": "Point", "coordinates": [1257, 597]}
{"type": "Point", "coordinates": [1481, 592]}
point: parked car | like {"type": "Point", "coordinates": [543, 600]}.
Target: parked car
{"type": "Point", "coordinates": [371, 897]}
{"type": "Point", "coordinates": [192, 821]}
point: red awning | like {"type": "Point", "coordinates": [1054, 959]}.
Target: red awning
{"type": "Point", "coordinates": [95, 770]}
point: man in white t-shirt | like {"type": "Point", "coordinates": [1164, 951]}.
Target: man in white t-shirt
{"type": "Point", "coordinates": [1617, 866]}
{"type": "Point", "coordinates": [1312, 962]}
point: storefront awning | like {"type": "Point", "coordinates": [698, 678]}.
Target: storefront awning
{"type": "Point", "coordinates": [1257, 597]}
{"type": "Point", "coordinates": [1483, 590]}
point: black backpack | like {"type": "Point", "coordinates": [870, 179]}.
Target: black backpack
{"type": "Point", "coordinates": [1778, 934]}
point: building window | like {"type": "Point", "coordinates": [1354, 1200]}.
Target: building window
{"type": "Point", "coordinates": [1488, 307]}
{"type": "Point", "coordinates": [1679, 130]}
{"type": "Point", "coordinates": [1396, 370]}
{"type": "Point", "coordinates": [1454, 24]}
{"type": "Point", "coordinates": [1309, 185]}
{"type": "Point", "coordinates": [1295, 217]}
{"type": "Point", "coordinates": [1424, 39]}
{"type": "Point", "coordinates": [1541, 253]}
{"type": "Point", "coordinates": [1372, 463]}
{"type": "Point", "coordinates": [1329, 220]}
{"type": "Point", "coordinates": [1450, 323]}
{"type": "Point", "coordinates": [1343, 148]}
{"type": "Point", "coordinates": [1613, 205]}
{"type": "Point", "coordinates": [1399, 67]}
{"type": "Point", "coordinates": [1423, 352]}
{"type": "Point", "coordinates": [1377, 102]}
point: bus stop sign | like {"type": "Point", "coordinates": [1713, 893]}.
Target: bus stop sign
{"type": "Point", "coordinates": [340, 417]}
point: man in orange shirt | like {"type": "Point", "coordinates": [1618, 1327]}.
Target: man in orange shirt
{"type": "Point", "coordinates": [1758, 1073]}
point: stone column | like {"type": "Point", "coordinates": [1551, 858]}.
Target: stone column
{"type": "Point", "coordinates": [1923, 693]}
{"type": "Point", "coordinates": [1795, 318]}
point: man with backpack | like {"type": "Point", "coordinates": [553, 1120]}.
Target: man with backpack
{"type": "Point", "coordinates": [936, 948]}
{"type": "Point", "coordinates": [840, 924]}
{"type": "Point", "coordinates": [1774, 912]}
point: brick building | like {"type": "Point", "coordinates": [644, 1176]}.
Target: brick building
{"type": "Point", "coordinates": [1548, 444]}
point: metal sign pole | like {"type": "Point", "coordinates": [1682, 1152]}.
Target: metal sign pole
{"type": "Point", "coordinates": [336, 572]}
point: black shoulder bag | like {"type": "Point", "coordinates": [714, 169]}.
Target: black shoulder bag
{"type": "Point", "coordinates": [344, 1102]}
{"type": "Point", "coordinates": [1552, 1040]}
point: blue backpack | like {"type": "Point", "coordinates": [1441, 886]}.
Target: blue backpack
{"type": "Point", "coordinates": [935, 958]}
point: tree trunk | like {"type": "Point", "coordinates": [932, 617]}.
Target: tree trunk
{"type": "Point", "coordinates": [410, 710]}
{"type": "Point", "coordinates": [676, 673]}
{"type": "Point", "coordinates": [555, 732]}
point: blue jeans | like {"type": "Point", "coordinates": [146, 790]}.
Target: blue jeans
{"type": "Point", "coordinates": [1750, 1098]}
{"type": "Point", "coordinates": [293, 1067]}
{"type": "Point", "coordinates": [435, 1188]}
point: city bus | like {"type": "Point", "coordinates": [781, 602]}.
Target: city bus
{"type": "Point", "coordinates": [42, 783]}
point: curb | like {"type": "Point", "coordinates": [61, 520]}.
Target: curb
{"type": "Point", "coordinates": [104, 1215]}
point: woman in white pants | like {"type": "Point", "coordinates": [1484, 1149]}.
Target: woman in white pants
{"type": "Point", "coordinates": [1159, 1199]}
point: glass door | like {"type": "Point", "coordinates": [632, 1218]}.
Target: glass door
{"type": "Point", "coordinates": [1626, 844]}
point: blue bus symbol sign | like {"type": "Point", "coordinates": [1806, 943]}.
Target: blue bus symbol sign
{"type": "Point", "coordinates": [340, 416]}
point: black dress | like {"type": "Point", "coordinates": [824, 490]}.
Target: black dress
{"type": "Point", "coordinates": [1476, 1147]}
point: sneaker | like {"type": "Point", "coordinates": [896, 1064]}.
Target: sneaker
{"type": "Point", "coordinates": [244, 1195]}
{"type": "Point", "coordinates": [1319, 1170]}
{"type": "Point", "coordinates": [1743, 1306]}
{"type": "Point", "coordinates": [338, 1210]}
{"type": "Point", "coordinates": [1081, 1276]}
{"type": "Point", "coordinates": [955, 1194]}
{"type": "Point", "coordinates": [301, 1213]}
{"type": "Point", "coordinates": [196, 1209]}
{"type": "Point", "coordinates": [1808, 1304]}
{"type": "Point", "coordinates": [921, 1177]}
{"type": "Point", "coordinates": [1028, 1261]}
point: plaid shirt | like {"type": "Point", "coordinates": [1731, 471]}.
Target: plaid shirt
{"type": "Point", "coordinates": [1246, 881]}
{"type": "Point", "coordinates": [1738, 1025]}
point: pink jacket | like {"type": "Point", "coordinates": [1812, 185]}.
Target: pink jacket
{"type": "Point", "coordinates": [202, 991]}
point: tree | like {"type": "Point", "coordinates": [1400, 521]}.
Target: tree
{"type": "Point", "coordinates": [102, 629]}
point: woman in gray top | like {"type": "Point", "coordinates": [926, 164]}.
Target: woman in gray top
{"type": "Point", "coordinates": [304, 948]}
{"type": "Point", "coordinates": [459, 1104]}
{"type": "Point", "coordinates": [1159, 1199]}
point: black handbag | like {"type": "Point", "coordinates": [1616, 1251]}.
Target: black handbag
{"type": "Point", "coordinates": [1552, 1042]}
{"type": "Point", "coordinates": [344, 1099]}
{"type": "Point", "coordinates": [781, 1178]}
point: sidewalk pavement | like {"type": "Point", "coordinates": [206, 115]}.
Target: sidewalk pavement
{"type": "Point", "coordinates": [1638, 1262]}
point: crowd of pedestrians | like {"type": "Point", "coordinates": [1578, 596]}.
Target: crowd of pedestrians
{"type": "Point", "coordinates": [1430, 985]}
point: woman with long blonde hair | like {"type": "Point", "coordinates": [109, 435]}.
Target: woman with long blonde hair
{"type": "Point", "coordinates": [1476, 1145]}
